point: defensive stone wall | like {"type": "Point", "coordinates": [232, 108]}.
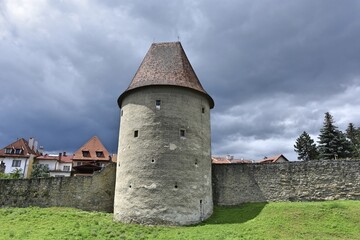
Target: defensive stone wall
{"type": "Point", "coordinates": [232, 185]}
{"type": "Point", "coordinates": [293, 181]}
{"type": "Point", "coordinates": [92, 193]}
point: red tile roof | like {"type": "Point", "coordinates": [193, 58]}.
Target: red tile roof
{"type": "Point", "coordinates": [272, 159]}
{"type": "Point", "coordinates": [47, 157]}
{"type": "Point", "coordinates": [18, 144]}
{"type": "Point", "coordinates": [63, 158]}
{"type": "Point", "coordinates": [67, 159]}
{"type": "Point", "coordinates": [220, 160]}
{"type": "Point", "coordinates": [92, 146]}
{"type": "Point", "coordinates": [166, 64]}
{"type": "Point", "coordinates": [224, 160]}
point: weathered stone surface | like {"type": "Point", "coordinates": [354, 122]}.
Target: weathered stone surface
{"type": "Point", "coordinates": [95, 193]}
{"type": "Point", "coordinates": [162, 177]}
{"type": "Point", "coordinates": [232, 185]}
{"type": "Point", "coordinates": [293, 181]}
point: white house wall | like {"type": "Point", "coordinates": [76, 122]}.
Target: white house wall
{"type": "Point", "coordinates": [8, 164]}
{"type": "Point", "coordinates": [51, 163]}
{"type": "Point", "coordinates": [61, 166]}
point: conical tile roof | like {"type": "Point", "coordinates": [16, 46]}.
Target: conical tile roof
{"type": "Point", "coordinates": [166, 64]}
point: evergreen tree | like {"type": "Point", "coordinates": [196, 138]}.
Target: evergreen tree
{"type": "Point", "coordinates": [353, 134]}
{"type": "Point", "coordinates": [344, 148]}
{"type": "Point", "coordinates": [332, 142]}
{"type": "Point", "coordinates": [306, 147]}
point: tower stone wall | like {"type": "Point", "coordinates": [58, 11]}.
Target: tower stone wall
{"type": "Point", "coordinates": [164, 172]}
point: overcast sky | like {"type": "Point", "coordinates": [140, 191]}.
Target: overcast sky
{"type": "Point", "coordinates": [273, 67]}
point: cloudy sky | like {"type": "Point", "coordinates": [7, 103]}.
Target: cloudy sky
{"type": "Point", "coordinates": [273, 67]}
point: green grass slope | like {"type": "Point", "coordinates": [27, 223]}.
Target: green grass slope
{"type": "Point", "coordinates": [300, 220]}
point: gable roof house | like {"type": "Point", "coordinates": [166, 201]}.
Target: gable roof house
{"type": "Point", "coordinates": [59, 165]}
{"type": "Point", "coordinates": [90, 157]}
{"type": "Point", "coordinates": [19, 155]}
{"type": "Point", "coordinates": [275, 159]}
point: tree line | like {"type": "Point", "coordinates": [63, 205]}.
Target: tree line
{"type": "Point", "coordinates": [332, 143]}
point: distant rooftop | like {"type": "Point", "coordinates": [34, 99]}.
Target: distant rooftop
{"type": "Point", "coordinates": [166, 64]}
{"type": "Point", "coordinates": [92, 150]}
{"type": "Point", "coordinates": [228, 160]}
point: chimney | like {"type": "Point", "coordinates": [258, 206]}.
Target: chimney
{"type": "Point", "coordinates": [229, 157]}
{"type": "Point", "coordinates": [60, 154]}
{"type": "Point", "coordinates": [35, 145]}
{"type": "Point", "coordinates": [41, 150]}
{"type": "Point", "coordinates": [31, 143]}
{"type": "Point", "coordinates": [64, 154]}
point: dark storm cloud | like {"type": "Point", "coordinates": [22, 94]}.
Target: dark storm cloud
{"type": "Point", "coordinates": [272, 67]}
{"type": "Point", "coordinates": [292, 47]}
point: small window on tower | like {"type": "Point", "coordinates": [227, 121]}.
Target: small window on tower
{"type": "Point", "coordinates": [136, 133]}
{"type": "Point", "coordinates": [157, 104]}
{"type": "Point", "coordinates": [203, 110]}
{"type": "Point", "coordinates": [182, 133]}
{"type": "Point", "coordinates": [122, 112]}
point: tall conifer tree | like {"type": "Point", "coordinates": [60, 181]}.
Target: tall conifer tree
{"type": "Point", "coordinates": [332, 142]}
{"type": "Point", "coordinates": [306, 147]}
{"type": "Point", "coordinates": [353, 134]}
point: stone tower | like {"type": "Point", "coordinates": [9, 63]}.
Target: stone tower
{"type": "Point", "coordinates": [164, 155]}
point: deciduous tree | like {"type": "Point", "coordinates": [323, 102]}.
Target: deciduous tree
{"type": "Point", "coordinates": [40, 170]}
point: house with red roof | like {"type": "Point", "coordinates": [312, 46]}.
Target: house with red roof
{"type": "Point", "coordinates": [19, 155]}
{"type": "Point", "coordinates": [275, 159]}
{"type": "Point", "coordinates": [90, 157]}
{"type": "Point", "coordinates": [59, 165]}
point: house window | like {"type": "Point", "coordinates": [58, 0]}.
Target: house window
{"type": "Point", "coordinates": [136, 133]}
{"type": "Point", "coordinates": [66, 168]}
{"type": "Point", "coordinates": [182, 133]}
{"type": "Point", "coordinates": [78, 163]}
{"type": "Point", "coordinates": [99, 154]}
{"type": "Point", "coordinates": [86, 153]}
{"type": "Point", "coordinates": [157, 104]}
{"type": "Point", "coordinates": [17, 151]}
{"type": "Point", "coordinates": [8, 150]}
{"type": "Point", "coordinates": [16, 163]}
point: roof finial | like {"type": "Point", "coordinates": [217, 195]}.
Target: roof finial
{"type": "Point", "coordinates": [178, 37]}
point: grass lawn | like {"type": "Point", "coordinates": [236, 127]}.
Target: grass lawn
{"type": "Point", "coordinates": [305, 220]}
